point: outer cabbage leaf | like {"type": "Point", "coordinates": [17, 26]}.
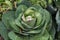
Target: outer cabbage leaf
{"type": "Point", "coordinates": [13, 36]}
{"type": "Point", "coordinates": [3, 31]}
{"type": "Point", "coordinates": [9, 15]}
{"type": "Point", "coordinates": [8, 19]}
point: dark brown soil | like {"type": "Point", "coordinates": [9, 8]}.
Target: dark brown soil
{"type": "Point", "coordinates": [1, 38]}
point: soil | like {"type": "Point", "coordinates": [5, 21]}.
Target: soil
{"type": "Point", "coordinates": [1, 38]}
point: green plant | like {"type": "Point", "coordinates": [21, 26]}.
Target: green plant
{"type": "Point", "coordinates": [43, 3]}
{"type": "Point", "coordinates": [27, 19]}
{"type": "Point", "coordinates": [5, 5]}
